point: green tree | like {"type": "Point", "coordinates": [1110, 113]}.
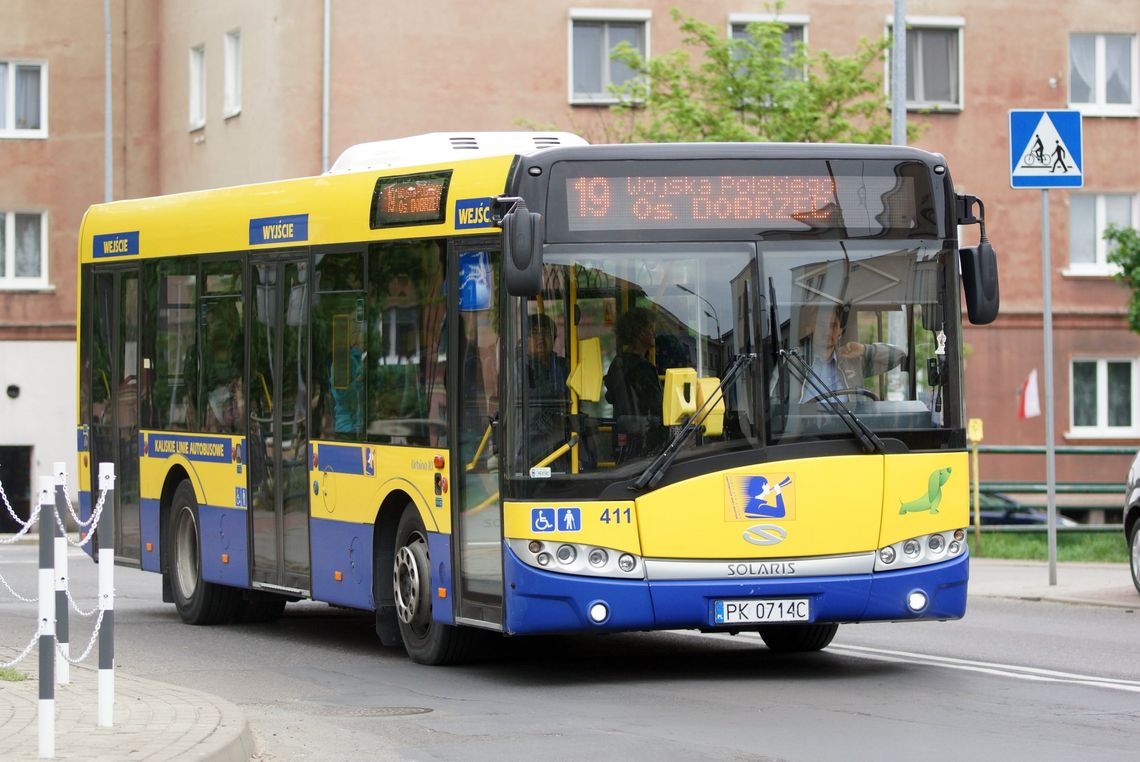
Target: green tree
{"type": "Point", "coordinates": [751, 90]}
{"type": "Point", "coordinates": [1126, 254]}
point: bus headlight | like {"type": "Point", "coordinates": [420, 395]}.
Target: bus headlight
{"type": "Point", "coordinates": [919, 551]}
{"type": "Point", "coordinates": [577, 558]}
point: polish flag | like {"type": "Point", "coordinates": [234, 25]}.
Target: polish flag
{"type": "Point", "coordinates": [1029, 402]}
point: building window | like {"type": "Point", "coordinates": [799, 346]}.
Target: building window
{"type": "Point", "coordinates": [1103, 397]}
{"type": "Point", "coordinates": [593, 35]}
{"type": "Point", "coordinates": [1089, 215]}
{"type": "Point", "coordinates": [23, 99]}
{"type": "Point", "coordinates": [1103, 74]}
{"type": "Point", "coordinates": [23, 250]}
{"type": "Point", "coordinates": [197, 87]}
{"type": "Point", "coordinates": [933, 63]}
{"type": "Point", "coordinates": [795, 32]}
{"type": "Point", "coordinates": [233, 73]}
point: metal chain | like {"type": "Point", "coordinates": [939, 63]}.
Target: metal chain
{"type": "Point", "coordinates": [4, 582]}
{"type": "Point", "coordinates": [95, 516]}
{"type": "Point", "coordinates": [74, 515]}
{"type": "Point", "coordinates": [12, 513]}
{"type": "Point", "coordinates": [23, 531]}
{"type": "Point", "coordinates": [27, 650]}
{"type": "Point", "coordinates": [90, 643]}
{"type": "Point", "coordinates": [75, 606]}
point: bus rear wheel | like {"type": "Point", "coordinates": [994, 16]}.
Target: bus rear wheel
{"type": "Point", "coordinates": [798, 638]}
{"type": "Point", "coordinates": [425, 640]}
{"type": "Point", "coordinates": [197, 601]}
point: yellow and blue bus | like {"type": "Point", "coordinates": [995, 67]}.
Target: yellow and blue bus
{"type": "Point", "coordinates": [518, 383]}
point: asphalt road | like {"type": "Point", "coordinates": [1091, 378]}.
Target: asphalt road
{"type": "Point", "coordinates": [1013, 680]}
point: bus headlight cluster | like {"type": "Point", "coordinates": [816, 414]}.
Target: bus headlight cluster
{"type": "Point", "coordinates": [576, 558]}
{"type": "Point", "coordinates": [922, 550]}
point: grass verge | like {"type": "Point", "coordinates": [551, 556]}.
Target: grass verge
{"type": "Point", "coordinates": [9, 675]}
{"type": "Point", "coordinates": [1071, 546]}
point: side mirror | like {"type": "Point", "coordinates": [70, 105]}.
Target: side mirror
{"type": "Point", "coordinates": [980, 282]}
{"type": "Point", "coordinates": [523, 232]}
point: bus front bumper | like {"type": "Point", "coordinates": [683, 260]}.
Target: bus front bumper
{"type": "Point", "coordinates": [539, 601]}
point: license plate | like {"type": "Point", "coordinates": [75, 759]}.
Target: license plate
{"type": "Point", "coordinates": [760, 610]}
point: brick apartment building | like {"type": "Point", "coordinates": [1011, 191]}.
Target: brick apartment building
{"type": "Point", "coordinates": [209, 93]}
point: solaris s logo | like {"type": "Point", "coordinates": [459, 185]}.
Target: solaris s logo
{"type": "Point", "coordinates": [765, 534]}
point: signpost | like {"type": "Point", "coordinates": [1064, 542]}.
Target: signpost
{"type": "Point", "coordinates": [1046, 151]}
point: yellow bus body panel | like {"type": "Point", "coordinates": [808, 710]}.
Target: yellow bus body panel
{"type": "Point", "coordinates": [608, 524]}
{"type": "Point", "coordinates": [338, 209]}
{"type": "Point", "coordinates": [826, 506]}
{"type": "Point", "coordinates": [355, 497]}
{"type": "Point", "coordinates": [924, 493]}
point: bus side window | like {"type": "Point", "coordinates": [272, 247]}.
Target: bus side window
{"type": "Point", "coordinates": [406, 357]}
{"type": "Point", "coordinates": [223, 394]}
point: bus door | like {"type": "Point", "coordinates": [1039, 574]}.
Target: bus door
{"type": "Point", "coordinates": [278, 423]}
{"type": "Point", "coordinates": [115, 399]}
{"type": "Point", "coordinates": [474, 400]}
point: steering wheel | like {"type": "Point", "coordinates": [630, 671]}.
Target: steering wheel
{"type": "Point", "coordinates": [841, 392]}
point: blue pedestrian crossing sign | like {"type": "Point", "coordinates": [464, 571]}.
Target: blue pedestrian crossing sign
{"type": "Point", "coordinates": [1045, 149]}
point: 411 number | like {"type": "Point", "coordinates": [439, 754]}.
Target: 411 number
{"type": "Point", "coordinates": [617, 516]}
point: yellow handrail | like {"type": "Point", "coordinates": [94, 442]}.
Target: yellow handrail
{"type": "Point", "coordinates": [482, 445]}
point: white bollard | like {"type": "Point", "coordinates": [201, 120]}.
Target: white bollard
{"type": "Point", "coordinates": [62, 610]}
{"type": "Point", "coordinates": [47, 619]}
{"type": "Point", "coordinates": [107, 597]}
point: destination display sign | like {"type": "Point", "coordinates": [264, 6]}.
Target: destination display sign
{"type": "Point", "coordinates": [410, 200]}
{"type": "Point", "coordinates": [868, 198]}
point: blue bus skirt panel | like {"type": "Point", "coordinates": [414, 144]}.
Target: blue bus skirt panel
{"type": "Point", "coordinates": [540, 601]}
{"type": "Point", "coordinates": [85, 515]}
{"type": "Point", "coordinates": [442, 597]}
{"type": "Point", "coordinates": [944, 585]}
{"type": "Point", "coordinates": [148, 525]}
{"type": "Point", "coordinates": [224, 545]}
{"type": "Point", "coordinates": [341, 546]}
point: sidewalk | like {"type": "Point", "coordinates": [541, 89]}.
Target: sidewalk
{"type": "Point", "coordinates": [1089, 584]}
{"type": "Point", "coordinates": [152, 720]}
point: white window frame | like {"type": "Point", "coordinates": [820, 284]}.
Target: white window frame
{"type": "Point", "coordinates": [1101, 267]}
{"type": "Point", "coordinates": [1099, 107]}
{"type": "Point", "coordinates": [197, 82]}
{"type": "Point", "coordinates": [9, 281]}
{"type": "Point", "coordinates": [797, 20]}
{"type": "Point", "coordinates": [8, 129]}
{"type": "Point", "coordinates": [232, 49]}
{"type": "Point", "coordinates": [1101, 430]}
{"type": "Point", "coordinates": [918, 23]}
{"type": "Point", "coordinates": [605, 16]}
{"type": "Point", "coordinates": [790, 19]}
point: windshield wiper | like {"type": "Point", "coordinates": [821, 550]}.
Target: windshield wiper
{"type": "Point", "coordinates": [661, 463]}
{"type": "Point", "coordinates": [807, 375]}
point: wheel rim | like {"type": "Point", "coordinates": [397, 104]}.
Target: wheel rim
{"type": "Point", "coordinates": [186, 552]}
{"type": "Point", "coordinates": [409, 583]}
{"type": "Point", "coordinates": [1136, 557]}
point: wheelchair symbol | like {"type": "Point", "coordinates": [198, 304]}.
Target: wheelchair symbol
{"type": "Point", "coordinates": [540, 520]}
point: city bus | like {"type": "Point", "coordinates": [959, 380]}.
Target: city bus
{"type": "Point", "coordinates": [513, 382]}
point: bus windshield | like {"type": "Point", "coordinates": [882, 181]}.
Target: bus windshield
{"type": "Point", "coordinates": [868, 317]}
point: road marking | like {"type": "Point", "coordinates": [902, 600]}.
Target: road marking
{"type": "Point", "coordinates": [1034, 674]}
{"type": "Point", "coordinates": [990, 668]}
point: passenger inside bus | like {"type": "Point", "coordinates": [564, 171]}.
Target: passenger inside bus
{"type": "Point", "coordinates": [546, 373]}
{"type": "Point", "coordinates": [634, 388]}
{"type": "Point", "coordinates": [842, 365]}
{"type": "Point", "coordinates": [225, 400]}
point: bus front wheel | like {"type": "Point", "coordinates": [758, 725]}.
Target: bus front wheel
{"type": "Point", "coordinates": [425, 640]}
{"type": "Point", "coordinates": [798, 638]}
{"type": "Point", "coordinates": [197, 601]}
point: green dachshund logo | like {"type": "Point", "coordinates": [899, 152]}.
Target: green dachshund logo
{"type": "Point", "coordinates": [933, 496]}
